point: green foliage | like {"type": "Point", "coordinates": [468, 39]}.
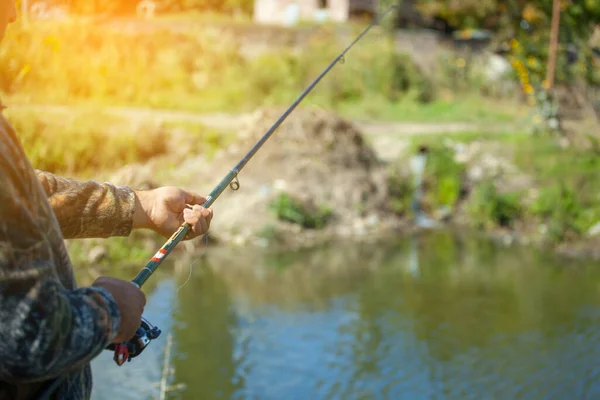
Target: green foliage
{"type": "Point", "coordinates": [400, 190]}
{"type": "Point", "coordinates": [576, 24]}
{"type": "Point", "coordinates": [560, 206]}
{"type": "Point", "coordinates": [442, 181]}
{"type": "Point", "coordinates": [489, 208]}
{"type": "Point", "coordinates": [372, 68]}
{"type": "Point", "coordinates": [201, 70]}
{"type": "Point", "coordinates": [528, 23]}
{"type": "Point", "coordinates": [568, 197]}
{"type": "Point", "coordinates": [576, 16]}
{"type": "Point", "coordinates": [291, 210]}
{"type": "Point", "coordinates": [67, 62]}
{"type": "Point", "coordinates": [86, 143]}
{"type": "Point", "coordinates": [463, 13]}
{"type": "Point", "coordinates": [567, 188]}
{"type": "Point", "coordinates": [443, 177]}
{"type": "Point", "coordinates": [406, 77]}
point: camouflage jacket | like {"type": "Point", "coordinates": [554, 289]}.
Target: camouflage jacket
{"type": "Point", "coordinates": [48, 326]}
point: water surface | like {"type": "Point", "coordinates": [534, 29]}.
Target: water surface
{"type": "Point", "coordinates": [427, 317]}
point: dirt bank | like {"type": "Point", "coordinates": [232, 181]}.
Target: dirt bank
{"type": "Point", "coordinates": [321, 178]}
{"type": "Point", "coordinates": [316, 177]}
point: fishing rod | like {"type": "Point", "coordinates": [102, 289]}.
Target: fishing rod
{"type": "Point", "coordinates": [147, 332]}
{"type": "Point", "coordinates": [231, 178]}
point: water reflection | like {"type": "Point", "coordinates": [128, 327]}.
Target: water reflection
{"type": "Point", "coordinates": [432, 317]}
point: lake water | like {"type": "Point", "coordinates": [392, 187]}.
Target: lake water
{"type": "Point", "coordinates": [427, 317]}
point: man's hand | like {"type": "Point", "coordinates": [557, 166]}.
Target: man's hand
{"type": "Point", "coordinates": [164, 210]}
{"type": "Point", "coordinates": [130, 301]}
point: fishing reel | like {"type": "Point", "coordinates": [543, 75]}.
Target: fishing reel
{"type": "Point", "coordinates": [136, 345]}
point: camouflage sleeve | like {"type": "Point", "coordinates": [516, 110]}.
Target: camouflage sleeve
{"type": "Point", "coordinates": [45, 329]}
{"type": "Point", "coordinates": [89, 209]}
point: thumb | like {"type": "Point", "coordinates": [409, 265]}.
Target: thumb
{"type": "Point", "coordinates": [193, 198]}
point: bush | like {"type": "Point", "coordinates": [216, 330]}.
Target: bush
{"type": "Point", "coordinates": [289, 209]}
{"type": "Point", "coordinates": [443, 177]}
{"type": "Point", "coordinates": [489, 208]}
{"type": "Point", "coordinates": [564, 212]}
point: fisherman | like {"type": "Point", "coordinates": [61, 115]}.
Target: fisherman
{"type": "Point", "coordinates": [49, 327]}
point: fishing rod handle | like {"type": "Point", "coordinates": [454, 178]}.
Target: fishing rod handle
{"type": "Point", "coordinates": [160, 255]}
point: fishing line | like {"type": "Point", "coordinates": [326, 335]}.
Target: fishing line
{"type": "Point", "coordinates": [190, 270]}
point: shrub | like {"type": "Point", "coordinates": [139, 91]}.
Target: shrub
{"type": "Point", "coordinates": [489, 208]}
{"type": "Point", "coordinates": [289, 209]}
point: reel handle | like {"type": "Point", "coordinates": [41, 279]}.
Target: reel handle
{"type": "Point", "coordinates": [136, 345]}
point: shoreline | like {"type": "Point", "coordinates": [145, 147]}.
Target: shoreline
{"type": "Point", "coordinates": [498, 186]}
{"type": "Point", "coordinates": [402, 229]}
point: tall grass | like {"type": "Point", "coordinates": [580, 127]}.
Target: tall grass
{"type": "Point", "coordinates": [65, 62]}
{"type": "Point", "coordinates": [86, 143]}
{"type": "Point", "coordinates": [200, 69]}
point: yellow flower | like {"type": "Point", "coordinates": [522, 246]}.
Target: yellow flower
{"type": "Point", "coordinates": [530, 13]}
{"type": "Point", "coordinates": [545, 84]}
{"type": "Point", "coordinates": [528, 88]}
{"type": "Point", "coordinates": [460, 63]}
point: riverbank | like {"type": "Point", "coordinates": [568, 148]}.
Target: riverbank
{"type": "Point", "coordinates": [339, 168]}
{"type": "Point", "coordinates": [323, 178]}
{"type": "Point", "coordinates": [519, 188]}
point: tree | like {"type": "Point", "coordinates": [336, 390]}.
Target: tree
{"type": "Point", "coordinates": [526, 25]}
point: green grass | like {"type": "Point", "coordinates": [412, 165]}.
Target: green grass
{"type": "Point", "coordinates": [85, 143]}
{"type": "Point", "coordinates": [569, 185]}
{"type": "Point", "coordinates": [204, 70]}
{"type": "Point", "coordinates": [468, 109]}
